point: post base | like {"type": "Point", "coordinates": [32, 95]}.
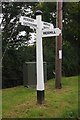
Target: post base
{"type": "Point", "coordinates": [40, 97]}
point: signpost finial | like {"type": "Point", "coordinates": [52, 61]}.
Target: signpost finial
{"type": "Point", "coordinates": [38, 12]}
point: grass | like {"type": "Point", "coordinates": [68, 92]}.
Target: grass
{"type": "Point", "coordinates": [20, 102]}
{"type": "Point", "coordinates": [0, 104]}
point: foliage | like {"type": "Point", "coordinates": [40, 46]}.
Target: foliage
{"type": "Point", "coordinates": [49, 11]}
{"type": "Point", "coordinates": [12, 41]}
{"type": "Point", "coordinates": [13, 65]}
{"type": "Point", "coordinates": [71, 26]}
{"type": "Point", "coordinates": [70, 59]}
{"type": "Point", "coordinates": [49, 56]}
{"type": "Point", "coordinates": [11, 27]}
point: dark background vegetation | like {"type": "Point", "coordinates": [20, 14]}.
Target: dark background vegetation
{"type": "Point", "coordinates": [19, 51]}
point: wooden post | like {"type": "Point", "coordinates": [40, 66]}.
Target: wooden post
{"type": "Point", "coordinates": [58, 66]}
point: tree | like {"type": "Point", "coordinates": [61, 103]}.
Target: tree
{"type": "Point", "coordinates": [12, 40]}
{"type": "Point", "coordinates": [71, 26]}
{"type": "Point", "coordinates": [11, 28]}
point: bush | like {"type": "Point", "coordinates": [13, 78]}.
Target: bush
{"type": "Point", "coordinates": [70, 60]}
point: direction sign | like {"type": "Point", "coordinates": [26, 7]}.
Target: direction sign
{"type": "Point", "coordinates": [48, 29]}
{"type": "Point", "coordinates": [27, 21]}
{"type": "Point", "coordinates": [47, 25]}
{"type": "Point", "coordinates": [51, 32]}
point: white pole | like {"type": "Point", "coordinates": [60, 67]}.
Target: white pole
{"type": "Point", "coordinates": [39, 51]}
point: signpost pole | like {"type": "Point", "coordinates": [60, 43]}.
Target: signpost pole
{"type": "Point", "coordinates": [39, 51]}
{"type": "Point", "coordinates": [45, 29]}
{"type": "Point", "coordinates": [58, 66]}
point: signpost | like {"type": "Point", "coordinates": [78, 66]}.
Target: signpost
{"type": "Point", "coordinates": [43, 29]}
{"type": "Point", "coordinates": [39, 51]}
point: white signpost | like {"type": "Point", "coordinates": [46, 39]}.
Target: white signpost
{"type": "Point", "coordinates": [39, 51]}
{"type": "Point", "coordinates": [43, 29]}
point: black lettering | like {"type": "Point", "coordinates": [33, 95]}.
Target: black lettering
{"type": "Point", "coordinates": [49, 32]}
{"type": "Point", "coordinates": [28, 19]}
{"type": "Point", "coordinates": [46, 24]}
{"type": "Point", "coordinates": [29, 24]}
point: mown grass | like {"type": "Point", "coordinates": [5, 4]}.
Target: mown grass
{"type": "Point", "coordinates": [20, 102]}
{"type": "Point", "coordinates": [0, 104]}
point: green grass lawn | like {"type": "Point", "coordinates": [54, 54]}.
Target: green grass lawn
{"type": "Point", "coordinates": [0, 104]}
{"type": "Point", "coordinates": [20, 102]}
